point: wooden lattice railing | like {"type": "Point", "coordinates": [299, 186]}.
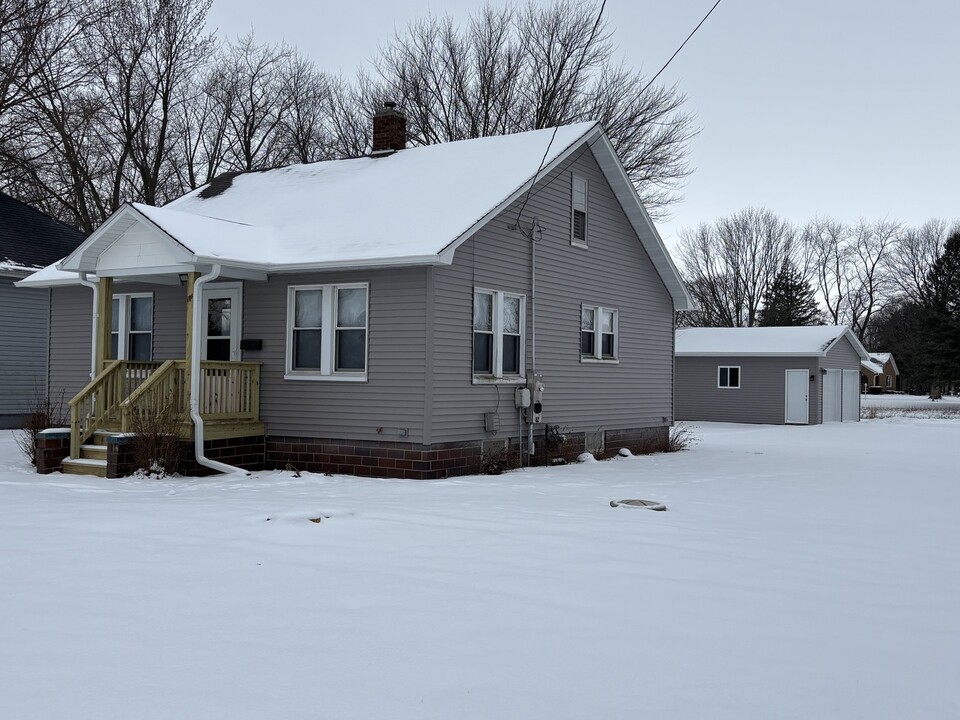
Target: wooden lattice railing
{"type": "Point", "coordinates": [98, 403]}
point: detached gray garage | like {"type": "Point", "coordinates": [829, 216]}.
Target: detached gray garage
{"type": "Point", "coordinates": [775, 375]}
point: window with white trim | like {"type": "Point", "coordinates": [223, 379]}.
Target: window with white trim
{"type": "Point", "coordinates": [327, 331]}
{"type": "Point", "coordinates": [578, 211]}
{"type": "Point", "coordinates": [889, 380]}
{"type": "Point", "coordinates": [498, 332]}
{"type": "Point", "coordinates": [599, 328]}
{"type": "Point", "coordinates": [131, 326]}
{"type": "Point", "coordinates": [728, 376]}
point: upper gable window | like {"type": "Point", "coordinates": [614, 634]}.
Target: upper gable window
{"type": "Point", "coordinates": [498, 327]}
{"type": "Point", "coordinates": [327, 332]}
{"type": "Point", "coordinates": [578, 211]}
{"type": "Point", "coordinates": [131, 326]}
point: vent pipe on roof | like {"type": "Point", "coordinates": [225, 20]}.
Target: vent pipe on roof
{"type": "Point", "coordinates": [389, 130]}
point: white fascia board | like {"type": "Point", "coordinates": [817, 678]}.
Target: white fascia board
{"type": "Point", "coordinates": [365, 264]}
{"type": "Point", "coordinates": [446, 255]}
{"type": "Point", "coordinates": [747, 353]}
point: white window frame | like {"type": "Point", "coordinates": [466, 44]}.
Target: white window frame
{"type": "Point", "coordinates": [889, 380]}
{"type": "Point", "coordinates": [328, 335]}
{"type": "Point", "coordinates": [597, 356]}
{"type": "Point", "coordinates": [575, 241]}
{"type": "Point", "coordinates": [123, 323]}
{"type": "Point", "coordinates": [728, 386]}
{"type": "Point", "coordinates": [498, 375]}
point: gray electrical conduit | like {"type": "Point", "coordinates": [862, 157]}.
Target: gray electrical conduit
{"type": "Point", "coordinates": [195, 369]}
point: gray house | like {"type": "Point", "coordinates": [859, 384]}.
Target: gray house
{"type": "Point", "coordinates": [29, 240]}
{"type": "Point", "coordinates": [776, 375]}
{"type": "Point", "coordinates": [392, 315]}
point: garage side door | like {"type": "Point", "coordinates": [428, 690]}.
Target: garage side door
{"type": "Point", "coordinates": [831, 396]}
{"type": "Point", "coordinates": [850, 411]}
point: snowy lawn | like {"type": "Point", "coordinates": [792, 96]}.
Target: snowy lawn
{"type": "Point", "coordinates": [875, 407]}
{"type": "Point", "coordinates": [800, 572]}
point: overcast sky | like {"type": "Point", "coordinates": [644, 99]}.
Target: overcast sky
{"type": "Point", "coordinates": [847, 108]}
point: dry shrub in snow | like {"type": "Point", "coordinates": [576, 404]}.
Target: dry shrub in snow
{"type": "Point", "coordinates": [157, 448]}
{"type": "Point", "coordinates": [43, 412]}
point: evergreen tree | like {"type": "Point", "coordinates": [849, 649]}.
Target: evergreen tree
{"type": "Point", "coordinates": [941, 330]}
{"type": "Point", "coordinates": [789, 300]}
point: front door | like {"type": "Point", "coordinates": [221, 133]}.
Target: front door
{"type": "Point", "coordinates": [223, 321]}
{"type": "Point", "coordinates": [798, 397]}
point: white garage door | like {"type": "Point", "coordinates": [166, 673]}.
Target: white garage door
{"type": "Point", "coordinates": [831, 396]}
{"type": "Point", "coordinates": [851, 396]}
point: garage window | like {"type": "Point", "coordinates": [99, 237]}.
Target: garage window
{"type": "Point", "coordinates": [728, 376]}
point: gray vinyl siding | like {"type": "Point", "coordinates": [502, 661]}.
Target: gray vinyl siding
{"type": "Point", "coordinates": [613, 272]}
{"type": "Point", "coordinates": [71, 313]}
{"type": "Point", "coordinates": [393, 395]}
{"type": "Point", "coordinates": [71, 327]}
{"type": "Point", "coordinates": [23, 349]}
{"type": "Point", "coordinates": [841, 356]}
{"type": "Point", "coordinates": [761, 397]}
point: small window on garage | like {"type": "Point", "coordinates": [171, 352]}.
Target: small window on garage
{"type": "Point", "coordinates": [728, 376]}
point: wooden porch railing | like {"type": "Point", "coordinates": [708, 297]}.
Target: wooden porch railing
{"type": "Point", "coordinates": [162, 393]}
{"type": "Point", "coordinates": [229, 391]}
{"type": "Point", "coordinates": [99, 401]}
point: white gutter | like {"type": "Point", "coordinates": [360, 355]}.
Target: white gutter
{"type": "Point", "coordinates": [195, 370]}
{"type": "Point", "coordinates": [96, 319]}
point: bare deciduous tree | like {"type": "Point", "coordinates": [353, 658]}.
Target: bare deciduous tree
{"type": "Point", "coordinates": [512, 70]}
{"type": "Point", "coordinates": [730, 264]}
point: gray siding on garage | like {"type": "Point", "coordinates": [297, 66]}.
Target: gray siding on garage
{"type": "Point", "coordinates": [614, 272]}
{"type": "Point", "coordinates": [70, 331]}
{"type": "Point", "coordinates": [761, 397]}
{"type": "Point", "coordinates": [393, 396]}
{"type": "Point", "coordinates": [841, 356]}
{"type": "Point", "coordinates": [23, 349]}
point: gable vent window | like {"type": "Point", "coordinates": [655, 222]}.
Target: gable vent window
{"type": "Point", "coordinates": [498, 327]}
{"type": "Point", "coordinates": [599, 327]}
{"type": "Point", "coordinates": [131, 327]}
{"type": "Point", "coordinates": [327, 332]}
{"type": "Point", "coordinates": [578, 222]}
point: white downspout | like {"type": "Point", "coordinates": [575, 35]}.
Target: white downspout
{"type": "Point", "coordinates": [195, 369]}
{"type": "Point", "coordinates": [96, 319]}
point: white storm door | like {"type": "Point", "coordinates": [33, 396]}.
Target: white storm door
{"type": "Point", "coordinates": [222, 321]}
{"type": "Point", "coordinates": [798, 397]}
{"type": "Point", "coordinates": [831, 396]}
{"type": "Point", "coordinates": [851, 396]}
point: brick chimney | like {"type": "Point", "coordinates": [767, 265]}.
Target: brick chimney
{"type": "Point", "coordinates": [389, 130]}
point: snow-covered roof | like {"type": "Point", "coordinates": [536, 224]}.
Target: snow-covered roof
{"type": "Point", "coordinates": [412, 207]}
{"type": "Point", "coordinates": [810, 340]}
{"type": "Point", "coordinates": [50, 276]}
{"type": "Point", "coordinates": [874, 367]}
{"type": "Point", "coordinates": [881, 358]}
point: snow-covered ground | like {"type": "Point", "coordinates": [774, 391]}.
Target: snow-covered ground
{"type": "Point", "coordinates": [917, 406]}
{"type": "Point", "coordinates": [800, 572]}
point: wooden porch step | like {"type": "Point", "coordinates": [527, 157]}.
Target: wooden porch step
{"type": "Point", "coordinates": [85, 466]}
{"type": "Point", "coordinates": [100, 437]}
{"type": "Point", "coordinates": [93, 452]}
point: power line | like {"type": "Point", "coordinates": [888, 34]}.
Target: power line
{"type": "Point", "coordinates": [546, 152]}
{"type": "Point", "coordinates": [677, 51]}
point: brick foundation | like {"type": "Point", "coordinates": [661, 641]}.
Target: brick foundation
{"type": "Point", "coordinates": [244, 452]}
{"type": "Point", "coordinates": [430, 462]}
{"type": "Point", "coordinates": [53, 446]}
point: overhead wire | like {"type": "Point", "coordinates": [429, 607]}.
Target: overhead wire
{"type": "Point", "coordinates": [533, 181]}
